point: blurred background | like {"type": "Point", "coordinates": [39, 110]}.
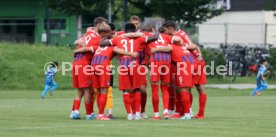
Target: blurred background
{"type": "Point", "coordinates": [239, 31]}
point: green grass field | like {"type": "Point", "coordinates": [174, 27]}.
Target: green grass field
{"type": "Point", "coordinates": [22, 67]}
{"type": "Point", "coordinates": [229, 113]}
{"type": "Point", "coordinates": [23, 114]}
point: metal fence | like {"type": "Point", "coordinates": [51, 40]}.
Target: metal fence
{"type": "Point", "coordinates": [234, 33]}
{"type": "Point", "coordinates": [207, 34]}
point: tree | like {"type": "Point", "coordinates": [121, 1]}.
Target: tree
{"type": "Point", "coordinates": [270, 5]}
{"type": "Point", "coordinates": [190, 11]}
{"type": "Point", "coordinates": [79, 8]}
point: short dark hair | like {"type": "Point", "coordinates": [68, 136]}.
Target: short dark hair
{"type": "Point", "coordinates": [54, 64]}
{"type": "Point", "coordinates": [112, 26]}
{"type": "Point", "coordinates": [262, 61]}
{"type": "Point", "coordinates": [147, 28]}
{"type": "Point", "coordinates": [99, 20]}
{"type": "Point", "coordinates": [169, 23]}
{"type": "Point", "coordinates": [129, 27]}
{"type": "Point", "coordinates": [161, 30]}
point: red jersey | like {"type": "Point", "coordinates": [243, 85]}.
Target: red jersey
{"type": "Point", "coordinates": [186, 39]}
{"type": "Point", "coordinates": [162, 57]}
{"type": "Point", "coordinates": [145, 53]}
{"type": "Point", "coordinates": [118, 33]}
{"type": "Point", "coordinates": [92, 40]}
{"type": "Point", "coordinates": [181, 54]}
{"type": "Point", "coordinates": [85, 58]}
{"type": "Point", "coordinates": [130, 45]}
{"type": "Point", "coordinates": [103, 56]}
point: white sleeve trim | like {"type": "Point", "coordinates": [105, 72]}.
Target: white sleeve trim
{"type": "Point", "coordinates": [111, 42]}
{"type": "Point", "coordinates": [172, 39]}
{"type": "Point", "coordinates": [92, 50]}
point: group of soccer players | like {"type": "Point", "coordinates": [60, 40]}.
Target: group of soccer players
{"type": "Point", "coordinates": [176, 65]}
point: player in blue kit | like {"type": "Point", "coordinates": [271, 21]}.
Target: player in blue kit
{"type": "Point", "coordinates": [49, 81]}
{"type": "Point", "coordinates": [261, 82]}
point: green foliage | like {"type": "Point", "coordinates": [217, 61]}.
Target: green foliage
{"type": "Point", "coordinates": [76, 7]}
{"type": "Point", "coordinates": [272, 62]}
{"type": "Point", "coordinates": [270, 5]}
{"type": "Point", "coordinates": [191, 12]}
{"type": "Point", "coordinates": [212, 55]}
{"type": "Point", "coordinates": [22, 66]}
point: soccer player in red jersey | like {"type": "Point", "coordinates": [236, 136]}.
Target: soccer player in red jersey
{"type": "Point", "coordinates": [172, 88]}
{"type": "Point", "coordinates": [144, 56]}
{"type": "Point", "coordinates": [199, 78]}
{"type": "Point", "coordinates": [101, 68]}
{"type": "Point", "coordinates": [129, 69]}
{"type": "Point", "coordinates": [160, 71]}
{"type": "Point", "coordinates": [136, 21]}
{"type": "Point", "coordinates": [80, 72]}
{"type": "Point", "coordinates": [183, 60]}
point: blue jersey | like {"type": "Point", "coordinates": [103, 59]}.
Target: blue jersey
{"type": "Point", "coordinates": [50, 75]}
{"type": "Point", "coordinates": [261, 72]}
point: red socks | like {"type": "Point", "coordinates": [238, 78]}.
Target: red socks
{"type": "Point", "coordinates": [88, 108]}
{"type": "Point", "coordinates": [172, 98]}
{"type": "Point", "coordinates": [155, 98]}
{"type": "Point", "coordinates": [102, 103]}
{"type": "Point", "coordinates": [132, 101]}
{"type": "Point", "coordinates": [127, 102]}
{"type": "Point", "coordinates": [202, 103]}
{"type": "Point", "coordinates": [143, 102]}
{"type": "Point", "coordinates": [137, 98]}
{"type": "Point", "coordinates": [165, 96]}
{"type": "Point", "coordinates": [76, 104]}
{"type": "Point", "coordinates": [98, 99]}
{"type": "Point", "coordinates": [178, 105]}
{"type": "Point", "coordinates": [185, 101]}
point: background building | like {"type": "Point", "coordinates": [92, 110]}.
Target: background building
{"type": "Point", "coordinates": [25, 21]}
{"type": "Point", "coordinates": [244, 22]}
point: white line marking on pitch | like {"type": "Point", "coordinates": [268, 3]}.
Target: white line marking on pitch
{"type": "Point", "coordinates": [106, 125]}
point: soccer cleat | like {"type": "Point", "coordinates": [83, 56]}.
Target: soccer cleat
{"type": "Point", "coordinates": [129, 117]}
{"type": "Point", "coordinates": [166, 115]}
{"type": "Point", "coordinates": [51, 94]}
{"type": "Point", "coordinates": [71, 115]}
{"type": "Point", "coordinates": [155, 118]}
{"type": "Point", "coordinates": [144, 115]}
{"type": "Point", "coordinates": [133, 116]}
{"type": "Point", "coordinates": [187, 116]}
{"type": "Point", "coordinates": [103, 117]}
{"type": "Point", "coordinates": [42, 97]}
{"type": "Point", "coordinates": [90, 117]}
{"type": "Point", "coordinates": [76, 116]}
{"type": "Point", "coordinates": [138, 118]}
{"type": "Point", "coordinates": [199, 117]}
{"type": "Point", "coordinates": [171, 112]}
{"type": "Point", "coordinates": [94, 115]}
{"type": "Point", "coordinates": [258, 93]}
{"type": "Point", "coordinates": [111, 116]}
{"type": "Point", "coordinates": [176, 116]}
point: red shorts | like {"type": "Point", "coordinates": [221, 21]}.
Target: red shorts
{"type": "Point", "coordinates": [81, 75]}
{"type": "Point", "coordinates": [184, 76]}
{"type": "Point", "coordinates": [160, 72]}
{"type": "Point", "coordinates": [199, 78]}
{"type": "Point", "coordinates": [101, 78]}
{"type": "Point", "coordinates": [142, 73]}
{"type": "Point", "coordinates": [129, 79]}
